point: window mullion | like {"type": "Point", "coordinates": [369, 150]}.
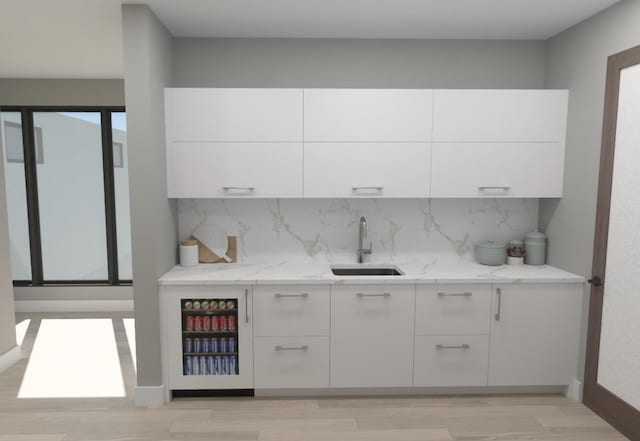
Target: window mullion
{"type": "Point", "coordinates": [109, 197]}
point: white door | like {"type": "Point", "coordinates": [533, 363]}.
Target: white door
{"type": "Point", "coordinates": [374, 115]}
{"type": "Point", "coordinates": [362, 169]}
{"type": "Point", "coordinates": [535, 334]}
{"type": "Point", "coordinates": [480, 170]}
{"type": "Point", "coordinates": [372, 335]}
{"type": "Point", "coordinates": [235, 170]}
{"type": "Point", "coordinates": [255, 115]}
{"type": "Point", "coordinates": [209, 346]}
{"type": "Point", "coordinates": [500, 115]}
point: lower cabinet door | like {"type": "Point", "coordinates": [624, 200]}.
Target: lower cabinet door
{"type": "Point", "coordinates": [372, 335]}
{"type": "Point", "coordinates": [291, 362]}
{"type": "Point", "coordinates": [451, 360]}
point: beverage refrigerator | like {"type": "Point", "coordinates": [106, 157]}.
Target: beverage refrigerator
{"type": "Point", "coordinates": [208, 337]}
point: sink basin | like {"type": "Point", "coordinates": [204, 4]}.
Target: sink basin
{"type": "Point", "coordinates": [386, 270]}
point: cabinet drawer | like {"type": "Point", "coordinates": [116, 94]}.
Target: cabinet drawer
{"type": "Point", "coordinates": [291, 311]}
{"type": "Point", "coordinates": [362, 169]}
{"type": "Point", "coordinates": [451, 361]}
{"type": "Point", "coordinates": [372, 335]}
{"type": "Point", "coordinates": [291, 362]}
{"type": "Point", "coordinates": [453, 309]}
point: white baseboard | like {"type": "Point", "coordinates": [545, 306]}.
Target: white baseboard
{"type": "Point", "coordinates": [74, 305]}
{"type": "Point", "coordinates": [574, 390]}
{"type": "Point", "coordinates": [149, 396]}
{"type": "Point", "coordinates": [9, 358]}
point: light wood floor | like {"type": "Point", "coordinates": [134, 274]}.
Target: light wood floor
{"type": "Point", "coordinates": [532, 418]}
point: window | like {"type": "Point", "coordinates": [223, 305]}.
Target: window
{"type": "Point", "coordinates": [69, 214]}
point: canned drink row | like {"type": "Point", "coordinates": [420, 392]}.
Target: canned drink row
{"type": "Point", "coordinates": [211, 365]}
{"type": "Point", "coordinates": [209, 305]}
{"type": "Point", "coordinates": [211, 323]}
{"type": "Point", "coordinates": [207, 345]}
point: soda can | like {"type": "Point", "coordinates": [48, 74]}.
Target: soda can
{"type": "Point", "coordinates": [204, 305]}
{"type": "Point", "coordinates": [195, 365]}
{"type": "Point", "coordinates": [213, 305]}
{"type": "Point", "coordinates": [217, 363]}
{"type": "Point", "coordinates": [233, 365]}
{"type": "Point", "coordinates": [196, 304]}
{"type": "Point", "coordinates": [223, 345]}
{"type": "Point", "coordinates": [188, 365]}
{"type": "Point", "coordinates": [225, 365]}
{"type": "Point", "coordinates": [197, 323]}
{"type": "Point", "coordinates": [222, 304]}
{"type": "Point", "coordinates": [231, 344]}
{"type": "Point", "coordinates": [224, 323]}
{"type": "Point", "coordinates": [188, 345]}
{"type": "Point", "coordinates": [231, 321]}
{"type": "Point", "coordinates": [197, 345]}
{"type": "Point", "coordinates": [231, 304]}
{"type": "Point", "coordinates": [206, 323]}
{"type": "Point", "coordinates": [215, 323]}
{"type": "Point", "coordinates": [215, 345]}
{"type": "Point", "coordinates": [211, 370]}
{"type": "Point", "coordinates": [203, 365]}
{"type": "Point", "coordinates": [190, 323]}
{"type": "Point", "coordinates": [206, 346]}
{"type": "Point", "coordinates": [188, 305]}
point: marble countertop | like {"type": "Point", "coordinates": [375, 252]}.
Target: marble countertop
{"type": "Point", "coordinates": [416, 271]}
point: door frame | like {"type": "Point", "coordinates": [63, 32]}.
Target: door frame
{"type": "Point", "coordinates": [614, 410]}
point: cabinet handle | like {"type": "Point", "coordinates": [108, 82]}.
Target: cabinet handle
{"type": "Point", "coordinates": [499, 295]}
{"type": "Point", "coordinates": [293, 348]}
{"type": "Point", "coordinates": [504, 188]}
{"type": "Point", "coordinates": [462, 346]}
{"type": "Point", "coordinates": [455, 294]}
{"type": "Point", "coordinates": [246, 306]}
{"type": "Point", "coordinates": [247, 189]}
{"type": "Point", "coordinates": [384, 294]}
{"type": "Point", "coordinates": [304, 295]}
{"type": "Point", "coordinates": [375, 188]}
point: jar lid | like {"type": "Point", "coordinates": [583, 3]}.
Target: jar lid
{"type": "Point", "coordinates": [188, 243]}
{"type": "Point", "coordinates": [515, 243]}
{"type": "Point", "coordinates": [490, 244]}
{"type": "Point", "coordinates": [536, 236]}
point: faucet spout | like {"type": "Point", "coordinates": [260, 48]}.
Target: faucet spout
{"type": "Point", "coordinates": [362, 233]}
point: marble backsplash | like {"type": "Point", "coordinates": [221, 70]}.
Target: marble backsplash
{"type": "Point", "coordinates": [326, 230]}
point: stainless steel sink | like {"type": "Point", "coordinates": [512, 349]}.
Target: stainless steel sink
{"type": "Point", "coordinates": [362, 270]}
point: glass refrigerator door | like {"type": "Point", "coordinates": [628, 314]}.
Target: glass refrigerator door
{"type": "Point", "coordinates": [210, 336]}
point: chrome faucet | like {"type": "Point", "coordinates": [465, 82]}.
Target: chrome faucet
{"type": "Point", "coordinates": [362, 233]}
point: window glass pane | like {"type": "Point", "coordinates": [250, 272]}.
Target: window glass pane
{"type": "Point", "coordinates": [121, 186]}
{"type": "Point", "coordinates": [71, 196]}
{"type": "Point", "coordinates": [11, 127]}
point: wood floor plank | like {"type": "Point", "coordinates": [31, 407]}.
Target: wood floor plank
{"type": "Point", "coordinates": [360, 435]}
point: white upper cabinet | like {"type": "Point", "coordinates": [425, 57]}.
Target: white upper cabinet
{"type": "Point", "coordinates": [364, 169]}
{"type": "Point", "coordinates": [480, 170]}
{"type": "Point", "coordinates": [500, 115]}
{"type": "Point", "coordinates": [233, 114]}
{"type": "Point", "coordinates": [360, 115]}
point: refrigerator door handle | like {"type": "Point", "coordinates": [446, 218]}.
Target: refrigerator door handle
{"type": "Point", "coordinates": [246, 306]}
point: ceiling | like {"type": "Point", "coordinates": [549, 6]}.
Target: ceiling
{"type": "Point", "coordinates": [83, 38]}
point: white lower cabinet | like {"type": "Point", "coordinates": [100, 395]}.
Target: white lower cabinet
{"type": "Point", "coordinates": [451, 360]}
{"type": "Point", "coordinates": [291, 362]}
{"type": "Point", "coordinates": [535, 333]}
{"type": "Point", "coordinates": [372, 335]}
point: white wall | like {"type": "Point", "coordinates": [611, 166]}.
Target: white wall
{"type": "Point", "coordinates": [577, 60]}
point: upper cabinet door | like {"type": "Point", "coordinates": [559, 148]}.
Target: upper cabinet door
{"type": "Point", "coordinates": [374, 115]}
{"type": "Point", "coordinates": [500, 115]}
{"type": "Point", "coordinates": [223, 115]}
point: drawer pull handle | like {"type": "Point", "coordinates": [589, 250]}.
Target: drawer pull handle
{"type": "Point", "coordinates": [463, 346]}
{"type": "Point", "coordinates": [384, 294]}
{"type": "Point", "coordinates": [455, 294]}
{"type": "Point", "coordinates": [229, 189]}
{"type": "Point", "coordinates": [375, 188]}
{"type": "Point", "coordinates": [294, 348]}
{"type": "Point", "coordinates": [504, 188]}
{"type": "Point", "coordinates": [304, 295]}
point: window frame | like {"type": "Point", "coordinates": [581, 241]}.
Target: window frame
{"type": "Point", "coordinates": [29, 143]}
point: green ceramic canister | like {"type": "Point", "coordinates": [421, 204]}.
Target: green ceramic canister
{"type": "Point", "coordinates": [491, 253]}
{"type": "Point", "coordinates": [536, 245]}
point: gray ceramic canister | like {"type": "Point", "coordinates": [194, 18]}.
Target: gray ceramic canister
{"type": "Point", "coordinates": [491, 253]}
{"type": "Point", "coordinates": [536, 245]}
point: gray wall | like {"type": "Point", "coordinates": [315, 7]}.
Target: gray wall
{"type": "Point", "coordinates": [577, 60]}
{"type": "Point", "coordinates": [7, 317]}
{"type": "Point", "coordinates": [54, 92]}
{"type": "Point", "coordinates": [147, 64]}
{"type": "Point", "coordinates": [203, 62]}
